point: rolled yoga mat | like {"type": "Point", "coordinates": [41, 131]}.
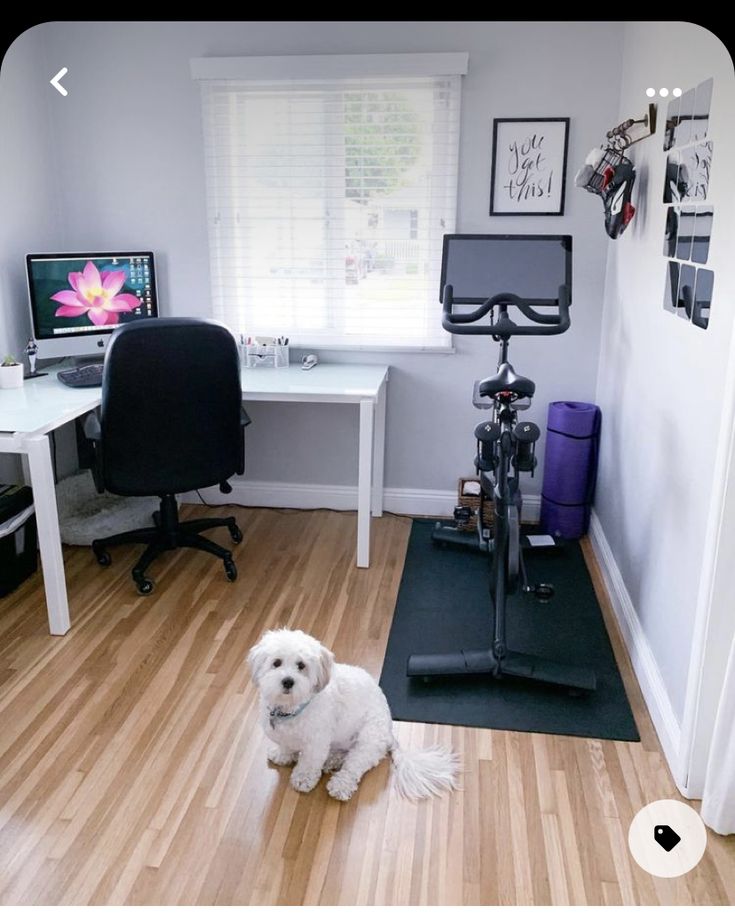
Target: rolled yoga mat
{"type": "Point", "coordinates": [570, 467]}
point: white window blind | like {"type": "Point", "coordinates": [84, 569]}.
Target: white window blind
{"type": "Point", "coordinates": [327, 203]}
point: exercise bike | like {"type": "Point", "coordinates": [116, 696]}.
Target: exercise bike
{"type": "Point", "coordinates": [505, 449]}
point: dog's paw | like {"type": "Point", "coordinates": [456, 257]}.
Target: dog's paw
{"type": "Point", "coordinates": [342, 786]}
{"type": "Point", "coordinates": [334, 761]}
{"type": "Point", "coordinates": [305, 780]}
{"type": "Point", "coordinates": [280, 756]}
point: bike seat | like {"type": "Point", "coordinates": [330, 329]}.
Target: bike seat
{"type": "Point", "coordinates": [506, 379]}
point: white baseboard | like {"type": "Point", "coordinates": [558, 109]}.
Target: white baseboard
{"type": "Point", "coordinates": [644, 663]}
{"type": "Point", "coordinates": [415, 502]}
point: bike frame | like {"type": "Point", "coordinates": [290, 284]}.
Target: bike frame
{"type": "Point", "coordinates": [504, 545]}
{"type": "Point", "coordinates": [502, 485]}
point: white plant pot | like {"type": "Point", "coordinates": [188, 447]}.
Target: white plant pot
{"type": "Point", "coordinates": [11, 376]}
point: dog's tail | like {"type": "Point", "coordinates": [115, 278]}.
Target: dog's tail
{"type": "Point", "coordinates": [422, 773]}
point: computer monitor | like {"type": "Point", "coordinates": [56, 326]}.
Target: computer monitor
{"type": "Point", "coordinates": [530, 266]}
{"type": "Point", "coordinates": [78, 299]}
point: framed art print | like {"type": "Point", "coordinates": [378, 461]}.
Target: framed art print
{"type": "Point", "coordinates": [529, 163]}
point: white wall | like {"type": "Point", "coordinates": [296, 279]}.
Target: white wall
{"type": "Point", "coordinates": [28, 183]}
{"type": "Point", "coordinates": [29, 212]}
{"type": "Point", "coordinates": [128, 147]}
{"type": "Point", "coordinates": [661, 379]}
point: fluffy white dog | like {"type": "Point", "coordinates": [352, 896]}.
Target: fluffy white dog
{"type": "Point", "coordinates": [327, 716]}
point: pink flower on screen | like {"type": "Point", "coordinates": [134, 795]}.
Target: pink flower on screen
{"type": "Point", "coordinates": [95, 294]}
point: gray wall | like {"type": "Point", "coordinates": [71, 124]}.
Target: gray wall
{"type": "Point", "coordinates": [661, 379]}
{"type": "Point", "coordinates": [127, 143]}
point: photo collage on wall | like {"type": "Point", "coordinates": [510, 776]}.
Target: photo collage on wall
{"type": "Point", "coordinates": [689, 216]}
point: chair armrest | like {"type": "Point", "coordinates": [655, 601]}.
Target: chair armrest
{"type": "Point", "coordinates": [92, 427]}
{"type": "Point", "coordinates": [245, 420]}
{"type": "Point", "coordinates": [93, 433]}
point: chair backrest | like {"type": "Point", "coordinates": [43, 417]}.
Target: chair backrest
{"type": "Point", "coordinates": [171, 406]}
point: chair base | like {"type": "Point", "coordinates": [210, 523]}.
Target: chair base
{"type": "Point", "coordinates": [169, 533]}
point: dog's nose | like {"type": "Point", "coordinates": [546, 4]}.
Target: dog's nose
{"type": "Point", "coordinates": [287, 683]}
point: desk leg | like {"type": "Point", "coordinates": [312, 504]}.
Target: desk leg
{"type": "Point", "coordinates": [47, 521]}
{"type": "Point", "coordinates": [379, 453]}
{"type": "Point", "coordinates": [25, 469]}
{"type": "Point", "coordinates": [364, 482]}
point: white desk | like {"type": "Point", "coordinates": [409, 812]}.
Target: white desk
{"type": "Point", "coordinates": [28, 413]}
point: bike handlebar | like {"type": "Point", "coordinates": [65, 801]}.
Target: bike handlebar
{"type": "Point", "coordinates": [550, 323]}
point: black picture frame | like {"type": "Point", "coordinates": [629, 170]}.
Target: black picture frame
{"type": "Point", "coordinates": [531, 204]}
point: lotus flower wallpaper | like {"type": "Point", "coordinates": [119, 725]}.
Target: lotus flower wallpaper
{"type": "Point", "coordinates": [95, 295]}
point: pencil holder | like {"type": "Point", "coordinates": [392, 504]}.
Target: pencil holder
{"type": "Point", "coordinates": [270, 356]}
{"type": "Point", "coordinates": [281, 356]}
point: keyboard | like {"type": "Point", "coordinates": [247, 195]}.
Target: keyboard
{"type": "Point", "coordinates": [82, 376]}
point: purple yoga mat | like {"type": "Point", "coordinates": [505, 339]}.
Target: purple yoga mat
{"type": "Point", "coordinates": [570, 467]}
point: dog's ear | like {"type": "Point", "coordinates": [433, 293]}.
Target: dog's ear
{"type": "Point", "coordinates": [325, 662]}
{"type": "Point", "coordinates": [257, 657]}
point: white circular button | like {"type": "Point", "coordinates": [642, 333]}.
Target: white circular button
{"type": "Point", "coordinates": [667, 838]}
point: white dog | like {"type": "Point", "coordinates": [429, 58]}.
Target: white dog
{"type": "Point", "coordinates": [327, 716]}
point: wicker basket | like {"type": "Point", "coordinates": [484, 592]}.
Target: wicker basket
{"type": "Point", "coordinates": [473, 501]}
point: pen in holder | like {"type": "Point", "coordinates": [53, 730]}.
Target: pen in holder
{"type": "Point", "coordinates": [273, 356]}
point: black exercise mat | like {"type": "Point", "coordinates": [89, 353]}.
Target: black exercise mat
{"type": "Point", "coordinates": [444, 605]}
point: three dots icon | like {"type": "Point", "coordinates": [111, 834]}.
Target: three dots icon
{"type": "Point", "coordinates": [651, 92]}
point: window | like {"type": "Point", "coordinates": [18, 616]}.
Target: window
{"type": "Point", "coordinates": [328, 200]}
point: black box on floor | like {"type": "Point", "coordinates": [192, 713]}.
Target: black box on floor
{"type": "Point", "coordinates": [18, 538]}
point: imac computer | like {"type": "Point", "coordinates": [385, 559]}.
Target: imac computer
{"type": "Point", "coordinates": [77, 300]}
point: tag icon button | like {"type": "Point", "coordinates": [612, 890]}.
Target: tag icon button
{"type": "Point", "coordinates": [666, 837]}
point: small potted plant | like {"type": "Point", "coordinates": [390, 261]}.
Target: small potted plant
{"type": "Point", "coordinates": [11, 373]}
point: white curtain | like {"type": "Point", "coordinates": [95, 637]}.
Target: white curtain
{"type": "Point", "coordinates": [718, 802]}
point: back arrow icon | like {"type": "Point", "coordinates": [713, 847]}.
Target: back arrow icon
{"type": "Point", "coordinates": [55, 81]}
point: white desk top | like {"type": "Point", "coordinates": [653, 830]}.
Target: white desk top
{"type": "Point", "coordinates": [326, 383]}
{"type": "Point", "coordinates": [43, 404]}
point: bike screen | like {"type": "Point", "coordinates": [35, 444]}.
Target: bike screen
{"type": "Point", "coordinates": [529, 266]}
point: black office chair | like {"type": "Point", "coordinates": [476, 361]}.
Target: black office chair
{"type": "Point", "coordinates": [171, 421]}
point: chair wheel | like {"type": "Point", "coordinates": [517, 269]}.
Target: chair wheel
{"type": "Point", "coordinates": [230, 570]}
{"type": "Point", "coordinates": [103, 558]}
{"type": "Point", "coordinates": [145, 586]}
{"type": "Point", "coordinates": [236, 534]}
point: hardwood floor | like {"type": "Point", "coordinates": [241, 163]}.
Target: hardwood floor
{"type": "Point", "coordinates": [133, 771]}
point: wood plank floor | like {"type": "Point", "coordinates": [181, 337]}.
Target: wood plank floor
{"type": "Point", "coordinates": [132, 769]}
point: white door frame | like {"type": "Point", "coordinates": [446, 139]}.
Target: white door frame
{"type": "Point", "coordinates": [714, 625]}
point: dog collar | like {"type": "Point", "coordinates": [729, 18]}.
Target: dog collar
{"type": "Point", "coordinates": [277, 714]}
